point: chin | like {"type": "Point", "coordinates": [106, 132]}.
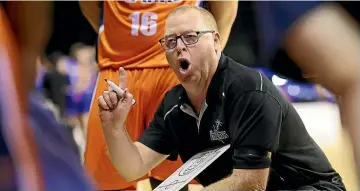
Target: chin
{"type": "Point", "coordinates": [191, 85]}
{"type": "Point", "coordinates": [191, 80]}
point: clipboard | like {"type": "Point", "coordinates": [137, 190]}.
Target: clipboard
{"type": "Point", "coordinates": [188, 171]}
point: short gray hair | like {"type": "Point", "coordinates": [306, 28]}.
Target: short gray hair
{"type": "Point", "coordinates": [209, 19]}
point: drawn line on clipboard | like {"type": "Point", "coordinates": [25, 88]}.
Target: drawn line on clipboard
{"type": "Point", "coordinates": [198, 160]}
{"type": "Point", "coordinates": [196, 165]}
{"type": "Point", "coordinates": [171, 184]}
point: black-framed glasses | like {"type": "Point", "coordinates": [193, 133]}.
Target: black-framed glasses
{"type": "Point", "coordinates": [188, 38]}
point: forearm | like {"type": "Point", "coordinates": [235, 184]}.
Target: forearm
{"type": "Point", "coordinates": [32, 25]}
{"type": "Point", "coordinates": [123, 153]}
{"type": "Point", "coordinates": [230, 184]}
{"type": "Point", "coordinates": [244, 180]}
{"type": "Point", "coordinates": [32, 28]}
{"type": "Point", "coordinates": [91, 11]}
{"type": "Point", "coordinates": [224, 13]}
{"type": "Point", "coordinates": [225, 184]}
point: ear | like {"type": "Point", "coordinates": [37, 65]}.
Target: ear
{"type": "Point", "coordinates": [217, 43]}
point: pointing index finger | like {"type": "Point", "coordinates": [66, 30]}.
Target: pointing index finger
{"type": "Point", "coordinates": [122, 78]}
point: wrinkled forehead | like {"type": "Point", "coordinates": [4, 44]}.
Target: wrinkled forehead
{"type": "Point", "coordinates": [183, 22]}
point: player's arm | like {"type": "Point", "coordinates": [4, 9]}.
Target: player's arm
{"type": "Point", "coordinates": [224, 13]}
{"type": "Point", "coordinates": [258, 118]}
{"type": "Point", "coordinates": [32, 24]}
{"type": "Point", "coordinates": [325, 44]}
{"type": "Point", "coordinates": [133, 160]}
{"type": "Point", "coordinates": [91, 10]}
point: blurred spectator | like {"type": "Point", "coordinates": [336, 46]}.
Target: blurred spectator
{"type": "Point", "coordinates": [43, 65]}
{"type": "Point", "coordinates": [83, 79]}
{"type": "Point", "coordinates": [56, 81]}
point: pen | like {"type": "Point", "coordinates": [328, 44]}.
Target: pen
{"type": "Point", "coordinates": [117, 89]}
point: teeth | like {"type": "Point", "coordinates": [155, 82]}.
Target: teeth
{"type": "Point", "coordinates": [182, 70]}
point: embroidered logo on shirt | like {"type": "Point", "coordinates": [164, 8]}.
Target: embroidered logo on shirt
{"type": "Point", "coordinates": [215, 134]}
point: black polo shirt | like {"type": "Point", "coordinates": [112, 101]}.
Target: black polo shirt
{"type": "Point", "coordinates": [245, 109]}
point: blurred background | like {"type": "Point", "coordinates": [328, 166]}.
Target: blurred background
{"type": "Point", "coordinates": [70, 63]}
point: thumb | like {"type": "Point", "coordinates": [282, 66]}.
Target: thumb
{"type": "Point", "coordinates": [128, 97]}
{"type": "Point", "coordinates": [122, 78]}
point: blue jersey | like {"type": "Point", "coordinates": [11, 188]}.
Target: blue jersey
{"type": "Point", "coordinates": [58, 154]}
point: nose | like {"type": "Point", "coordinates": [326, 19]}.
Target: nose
{"type": "Point", "coordinates": [180, 46]}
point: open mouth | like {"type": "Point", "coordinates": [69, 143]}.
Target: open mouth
{"type": "Point", "coordinates": [184, 65]}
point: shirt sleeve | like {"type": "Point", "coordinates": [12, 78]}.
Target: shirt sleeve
{"type": "Point", "coordinates": [255, 129]}
{"type": "Point", "coordinates": [157, 136]}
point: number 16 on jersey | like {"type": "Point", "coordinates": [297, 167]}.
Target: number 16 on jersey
{"type": "Point", "coordinates": [144, 23]}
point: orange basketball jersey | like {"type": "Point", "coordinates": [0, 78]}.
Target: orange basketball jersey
{"type": "Point", "coordinates": [129, 36]}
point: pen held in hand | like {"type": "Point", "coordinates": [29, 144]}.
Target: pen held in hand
{"type": "Point", "coordinates": [117, 89]}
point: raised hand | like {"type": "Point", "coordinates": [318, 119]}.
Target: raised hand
{"type": "Point", "coordinates": [114, 108]}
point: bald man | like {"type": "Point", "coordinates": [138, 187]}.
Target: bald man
{"type": "Point", "coordinates": [218, 103]}
{"type": "Point", "coordinates": [140, 24]}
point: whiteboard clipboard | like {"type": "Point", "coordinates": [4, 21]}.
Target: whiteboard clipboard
{"type": "Point", "coordinates": [188, 171]}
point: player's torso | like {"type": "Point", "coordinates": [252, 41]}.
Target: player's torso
{"type": "Point", "coordinates": [131, 31]}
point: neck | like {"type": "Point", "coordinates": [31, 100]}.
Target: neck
{"type": "Point", "coordinates": [197, 98]}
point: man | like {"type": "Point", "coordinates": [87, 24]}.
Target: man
{"type": "Point", "coordinates": [128, 37]}
{"type": "Point", "coordinates": [270, 147]}
{"type": "Point", "coordinates": [30, 138]}
{"type": "Point", "coordinates": [319, 41]}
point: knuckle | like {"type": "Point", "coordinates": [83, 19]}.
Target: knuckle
{"type": "Point", "coordinates": [106, 93]}
{"type": "Point", "coordinates": [113, 95]}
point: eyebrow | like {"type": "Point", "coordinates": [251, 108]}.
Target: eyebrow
{"type": "Point", "coordinates": [172, 34]}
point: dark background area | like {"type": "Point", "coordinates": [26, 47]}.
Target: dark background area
{"type": "Point", "coordinates": [70, 26]}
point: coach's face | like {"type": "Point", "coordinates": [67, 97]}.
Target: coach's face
{"type": "Point", "coordinates": [191, 47]}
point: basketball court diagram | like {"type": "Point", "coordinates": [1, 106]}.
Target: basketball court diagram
{"type": "Point", "coordinates": [194, 166]}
